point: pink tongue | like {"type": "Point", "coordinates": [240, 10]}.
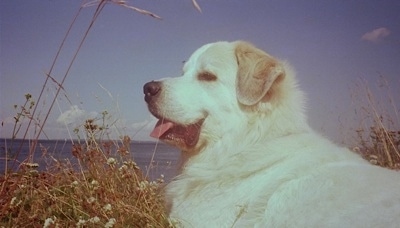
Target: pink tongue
{"type": "Point", "coordinates": [161, 127]}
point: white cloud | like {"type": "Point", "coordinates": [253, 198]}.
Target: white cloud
{"type": "Point", "coordinates": [376, 35]}
{"type": "Point", "coordinates": [75, 115]}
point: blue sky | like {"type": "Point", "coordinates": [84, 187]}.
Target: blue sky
{"type": "Point", "coordinates": [331, 44]}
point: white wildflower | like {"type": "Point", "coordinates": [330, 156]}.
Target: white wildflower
{"type": "Point", "coordinates": [49, 221]}
{"type": "Point", "coordinates": [34, 172]}
{"type": "Point", "coordinates": [91, 200]}
{"type": "Point", "coordinates": [110, 223]}
{"type": "Point", "coordinates": [161, 179]}
{"type": "Point", "coordinates": [111, 161]}
{"type": "Point", "coordinates": [107, 207]}
{"type": "Point", "coordinates": [373, 156]}
{"type": "Point", "coordinates": [131, 164]}
{"type": "Point", "coordinates": [75, 183]}
{"type": "Point", "coordinates": [94, 220]}
{"type": "Point", "coordinates": [143, 185]}
{"type": "Point", "coordinates": [373, 159]}
{"type": "Point", "coordinates": [80, 223]}
{"type": "Point", "coordinates": [94, 184]}
{"type": "Point", "coordinates": [30, 165]}
{"type": "Point", "coordinates": [14, 202]}
{"type": "Point", "coordinates": [123, 168]}
{"type": "Point", "coordinates": [153, 184]}
{"type": "Point", "coordinates": [374, 162]}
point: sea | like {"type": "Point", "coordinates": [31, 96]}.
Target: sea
{"type": "Point", "coordinates": [155, 159]}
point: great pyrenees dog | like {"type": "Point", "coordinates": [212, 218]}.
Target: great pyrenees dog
{"type": "Point", "coordinates": [249, 158]}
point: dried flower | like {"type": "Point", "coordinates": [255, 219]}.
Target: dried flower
{"type": "Point", "coordinates": [123, 168]}
{"type": "Point", "coordinates": [107, 207]}
{"type": "Point", "coordinates": [111, 161]}
{"type": "Point", "coordinates": [80, 223]}
{"type": "Point", "coordinates": [30, 165]}
{"type": "Point", "coordinates": [91, 200]}
{"type": "Point", "coordinates": [95, 219]}
{"type": "Point", "coordinates": [49, 221]}
{"type": "Point", "coordinates": [110, 223]}
{"type": "Point", "coordinates": [14, 202]}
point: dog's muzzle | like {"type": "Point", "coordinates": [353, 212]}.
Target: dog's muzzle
{"type": "Point", "coordinates": [151, 90]}
{"type": "Point", "coordinates": [183, 136]}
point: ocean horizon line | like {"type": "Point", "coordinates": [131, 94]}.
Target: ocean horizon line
{"type": "Point", "coordinates": [78, 140]}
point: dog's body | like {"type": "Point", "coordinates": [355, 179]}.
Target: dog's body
{"type": "Point", "coordinates": [250, 158]}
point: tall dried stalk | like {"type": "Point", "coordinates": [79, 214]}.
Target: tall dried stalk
{"type": "Point", "coordinates": [379, 133]}
{"type": "Point", "coordinates": [99, 4]}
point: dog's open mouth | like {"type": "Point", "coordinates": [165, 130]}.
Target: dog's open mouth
{"type": "Point", "coordinates": [184, 136]}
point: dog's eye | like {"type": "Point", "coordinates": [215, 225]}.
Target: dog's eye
{"type": "Point", "coordinates": [206, 76]}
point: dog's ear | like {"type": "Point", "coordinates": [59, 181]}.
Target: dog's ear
{"type": "Point", "coordinates": [256, 74]}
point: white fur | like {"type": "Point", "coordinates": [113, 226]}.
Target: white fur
{"type": "Point", "coordinates": [262, 165]}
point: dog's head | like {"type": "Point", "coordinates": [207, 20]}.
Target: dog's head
{"type": "Point", "coordinates": [223, 84]}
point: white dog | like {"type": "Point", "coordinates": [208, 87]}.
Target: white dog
{"type": "Point", "coordinates": [250, 158]}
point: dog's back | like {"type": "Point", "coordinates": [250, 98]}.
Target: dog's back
{"type": "Point", "coordinates": [306, 184]}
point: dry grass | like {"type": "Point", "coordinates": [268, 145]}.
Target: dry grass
{"type": "Point", "coordinates": [106, 190]}
{"type": "Point", "coordinates": [378, 137]}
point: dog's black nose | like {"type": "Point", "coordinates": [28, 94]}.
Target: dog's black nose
{"type": "Point", "coordinates": [151, 90]}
